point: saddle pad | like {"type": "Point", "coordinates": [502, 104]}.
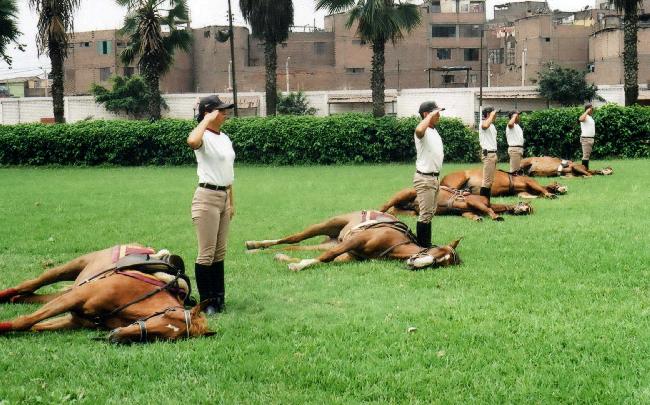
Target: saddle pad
{"type": "Point", "coordinates": [120, 251]}
{"type": "Point", "coordinates": [160, 279]}
{"type": "Point", "coordinates": [378, 216]}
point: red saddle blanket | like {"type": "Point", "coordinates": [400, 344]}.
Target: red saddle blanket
{"type": "Point", "coordinates": [121, 251]}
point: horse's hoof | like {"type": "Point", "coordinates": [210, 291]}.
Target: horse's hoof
{"type": "Point", "coordinates": [498, 218]}
{"type": "Point", "coordinates": [249, 251]}
{"type": "Point", "coordinates": [6, 327]}
{"type": "Point", "coordinates": [294, 267]}
{"type": "Point", "coordinates": [478, 219]}
{"type": "Point", "coordinates": [6, 295]}
{"type": "Point", "coordinates": [551, 196]}
{"type": "Point", "coordinates": [282, 257]}
{"type": "Point", "coordinates": [250, 244]}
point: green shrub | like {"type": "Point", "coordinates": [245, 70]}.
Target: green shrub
{"type": "Point", "coordinates": [286, 140]}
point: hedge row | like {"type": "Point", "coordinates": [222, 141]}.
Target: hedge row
{"type": "Point", "coordinates": [350, 138]}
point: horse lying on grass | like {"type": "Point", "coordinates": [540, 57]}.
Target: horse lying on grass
{"type": "Point", "coordinates": [547, 166]}
{"type": "Point", "coordinates": [133, 291]}
{"type": "Point", "coordinates": [454, 202]}
{"type": "Point", "coordinates": [362, 235]}
{"type": "Point", "coordinates": [505, 184]}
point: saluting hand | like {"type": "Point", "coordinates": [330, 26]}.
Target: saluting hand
{"type": "Point", "coordinates": [211, 116]}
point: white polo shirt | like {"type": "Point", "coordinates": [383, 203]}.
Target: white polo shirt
{"type": "Point", "coordinates": [430, 152]}
{"type": "Point", "coordinates": [588, 127]}
{"type": "Point", "coordinates": [488, 137]}
{"type": "Point", "coordinates": [215, 159]}
{"type": "Point", "coordinates": [515, 135]}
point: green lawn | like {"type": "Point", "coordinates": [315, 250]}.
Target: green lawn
{"type": "Point", "coordinates": [554, 307]}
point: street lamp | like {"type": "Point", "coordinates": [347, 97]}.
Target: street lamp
{"type": "Point", "coordinates": [286, 71]}
{"type": "Point", "coordinates": [480, 57]}
{"type": "Point", "coordinates": [232, 58]}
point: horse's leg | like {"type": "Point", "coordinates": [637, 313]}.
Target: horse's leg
{"type": "Point", "coordinates": [35, 298]}
{"type": "Point", "coordinates": [406, 195]}
{"type": "Point", "coordinates": [579, 170]}
{"type": "Point", "coordinates": [472, 216]}
{"type": "Point", "coordinates": [330, 228]}
{"type": "Point", "coordinates": [66, 272]}
{"type": "Point", "coordinates": [63, 322]}
{"type": "Point", "coordinates": [478, 205]}
{"type": "Point", "coordinates": [55, 307]}
{"type": "Point", "coordinates": [535, 188]}
{"type": "Point", "coordinates": [328, 243]}
{"type": "Point", "coordinates": [329, 255]}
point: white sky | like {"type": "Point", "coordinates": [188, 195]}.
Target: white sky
{"type": "Point", "coordinates": [106, 14]}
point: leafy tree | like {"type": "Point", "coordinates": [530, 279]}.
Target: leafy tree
{"type": "Point", "coordinates": [8, 28]}
{"type": "Point", "coordinates": [144, 27]}
{"type": "Point", "coordinates": [129, 96]}
{"type": "Point", "coordinates": [270, 21]}
{"type": "Point", "coordinates": [565, 85]}
{"type": "Point", "coordinates": [379, 21]}
{"type": "Point", "coordinates": [55, 20]}
{"type": "Point", "coordinates": [294, 104]}
{"type": "Point", "coordinates": [630, 9]}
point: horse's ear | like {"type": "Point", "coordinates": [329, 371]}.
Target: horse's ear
{"type": "Point", "coordinates": [200, 307]}
{"type": "Point", "coordinates": [456, 242]}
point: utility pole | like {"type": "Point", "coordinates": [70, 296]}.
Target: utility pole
{"type": "Point", "coordinates": [232, 59]}
{"type": "Point", "coordinates": [398, 89]}
{"type": "Point", "coordinates": [480, 94]}
{"type": "Point", "coordinates": [286, 71]}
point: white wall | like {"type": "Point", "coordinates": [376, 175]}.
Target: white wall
{"type": "Point", "coordinates": [461, 103]}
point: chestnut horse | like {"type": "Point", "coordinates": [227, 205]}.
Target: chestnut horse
{"type": "Point", "coordinates": [547, 166]}
{"type": "Point", "coordinates": [454, 202]}
{"type": "Point", "coordinates": [505, 184]}
{"type": "Point", "coordinates": [134, 305]}
{"type": "Point", "coordinates": [362, 235]}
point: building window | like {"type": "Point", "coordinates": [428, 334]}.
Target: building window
{"type": "Point", "coordinates": [354, 70]}
{"type": "Point", "coordinates": [104, 47]}
{"type": "Point", "coordinates": [476, 7]}
{"type": "Point", "coordinates": [510, 53]}
{"type": "Point", "coordinates": [434, 7]}
{"type": "Point", "coordinates": [443, 31]}
{"type": "Point", "coordinates": [547, 39]}
{"type": "Point", "coordinates": [448, 79]}
{"type": "Point", "coordinates": [471, 54]}
{"type": "Point", "coordinates": [495, 56]}
{"type": "Point", "coordinates": [284, 44]}
{"type": "Point", "coordinates": [443, 53]}
{"type": "Point", "coordinates": [469, 31]}
{"type": "Point", "coordinates": [104, 74]}
{"type": "Point", "coordinates": [319, 48]}
{"type": "Point", "coordinates": [129, 71]}
{"type": "Point", "coordinates": [473, 78]}
{"type": "Point", "coordinates": [84, 44]}
{"type": "Point", "coordinates": [206, 34]}
{"type": "Point", "coordinates": [359, 42]}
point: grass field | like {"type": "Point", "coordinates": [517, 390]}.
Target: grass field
{"type": "Point", "coordinates": [554, 307]}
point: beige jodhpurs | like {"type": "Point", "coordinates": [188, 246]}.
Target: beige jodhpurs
{"type": "Point", "coordinates": [516, 153]}
{"type": "Point", "coordinates": [426, 188]}
{"type": "Point", "coordinates": [489, 167]}
{"type": "Point", "coordinates": [587, 146]}
{"type": "Point", "coordinates": [211, 218]}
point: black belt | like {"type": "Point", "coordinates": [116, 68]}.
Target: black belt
{"type": "Point", "coordinates": [213, 187]}
{"type": "Point", "coordinates": [515, 146]}
{"type": "Point", "coordinates": [587, 137]}
{"type": "Point", "coordinates": [489, 151]}
{"type": "Point", "coordinates": [434, 174]}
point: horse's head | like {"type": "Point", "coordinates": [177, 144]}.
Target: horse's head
{"type": "Point", "coordinates": [522, 208]}
{"type": "Point", "coordinates": [170, 324]}
{"type": "Point", "coordinates": [607, 171]}
{"type": "Point", "coordinates": [438, 256]}
{"type": "Point", "coordinates": [557, 188]}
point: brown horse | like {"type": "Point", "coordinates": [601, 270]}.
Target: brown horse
{"type": "Point", "coordinates": [362, 235]}
{"type": "Point", "coordinates": [134, 305]}
{"type": "Point", "coordinates": [505, 184]}
{"type": "Point", "coordinates": [454, 202]}
{"type": "Point", "coordinates": [547, 166]}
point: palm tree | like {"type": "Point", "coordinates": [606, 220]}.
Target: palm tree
{"type": "Point", "coordinates": [55, 20]}
{"type": "Point", "coordinates": [630, 10]}
{"type": "Point", "coordinates": [144, 27]}
{"type": "Point", "coordinates": [379, 21]}
{"type": "Point", "coordinates": [8, 28]}
{"type": "Point", "coordinates": [270, 21]}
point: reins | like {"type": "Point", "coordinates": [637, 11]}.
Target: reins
{"type": "Point", "coordinates": [143, 325]}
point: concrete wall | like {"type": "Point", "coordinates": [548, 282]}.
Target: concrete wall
{"type": "Point", "coordinates": [606, 54]}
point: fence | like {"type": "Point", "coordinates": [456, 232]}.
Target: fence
{"type": "Point", "coordinates": [461, 103]}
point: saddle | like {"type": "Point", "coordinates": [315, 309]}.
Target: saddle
{"type": "Point", "coordinates": [455, 195]}
{"type": "Point", "coordinates": [169, 264]}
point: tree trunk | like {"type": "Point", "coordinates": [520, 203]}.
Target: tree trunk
{"type": "Point", "coordinates": [271, 89]}
{"type": "Point", "coordinates": [630, 56]}
{"type": "Point", "coordinates": [377, 79]}
{"type": "Point", "coordinates": [56, 58]}
{"type": "Point", "coordinates": [153, 84]}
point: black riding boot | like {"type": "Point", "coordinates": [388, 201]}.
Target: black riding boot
{"type": "Point", "coordinates": [585, 163]}
{"type": "Point", "coordinates": [424, 234]}
{"type": "Point", "coordinates": [220, 287]}
{"type": "Point", "coordinates": [206, 284]}
{"type": "Point", "coordinates": [487, 193]}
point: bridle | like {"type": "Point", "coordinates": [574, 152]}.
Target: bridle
{"type": "Point", "coordinates": [143, 325]}
{"type": "Point", "coordinates": [434, 264]}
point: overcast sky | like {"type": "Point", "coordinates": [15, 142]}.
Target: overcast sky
{"type": "Point", "coordinates": [105, 14]}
